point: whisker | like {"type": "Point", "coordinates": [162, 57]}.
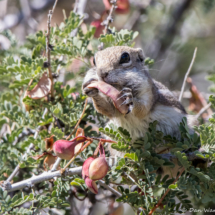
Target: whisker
{"type": "Point", "coordinates": [158, 70]}
{"type": "Point", "coordinates": [161, 60]}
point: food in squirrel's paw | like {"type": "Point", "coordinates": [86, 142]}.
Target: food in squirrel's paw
{"type": "Point", "coordinates": [111, 92]}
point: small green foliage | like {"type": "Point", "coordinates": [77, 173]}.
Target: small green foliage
{"type": "Point", "coordinates": [121, 38]}
{"type": "Point", "coordinates": [141, 162]}
{"type": "Point", "coordinates": [149, 62]}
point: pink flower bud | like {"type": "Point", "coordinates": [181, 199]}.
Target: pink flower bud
{"type": "Point", "coordinates": [91, 185]}
{"type": "Point", "coordinates": [98, 168]}
{"type": "Point", "coordinates": [65, 149]}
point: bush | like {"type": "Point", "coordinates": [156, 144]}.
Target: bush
{"type": "Point", "coordinates": [22, 67]}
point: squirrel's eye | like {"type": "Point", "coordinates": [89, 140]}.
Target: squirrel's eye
{"type": "Point", "coordinates": [94, 61]}
{"type": "Point", "coordinates": [125, 58]}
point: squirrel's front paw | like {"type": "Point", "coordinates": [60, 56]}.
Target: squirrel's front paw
{"type": "Point", "coordinates": [91, 92]}
{"type": "Point", "coordinates": [126, 94]}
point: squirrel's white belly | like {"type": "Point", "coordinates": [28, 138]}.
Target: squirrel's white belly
{"type": "Point", "coordinates": [168, 120]}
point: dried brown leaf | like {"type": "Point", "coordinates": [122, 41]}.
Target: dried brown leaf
{"type": "Point", "coordinates": [37, 157]}
{"type": "Point", "coordinates": [79, 132]}
{"type": "Point", "coordinates": [42, 88]}
{"type": "Point", "coordinates": [49, 142]}
{"type": "Point", "coordinates": [197, 101]}
{"type": "Point", "coordinates": [49, 162]}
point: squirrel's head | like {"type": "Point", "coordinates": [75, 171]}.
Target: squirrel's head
{"type": "Point", "coordinates": [117, 65]}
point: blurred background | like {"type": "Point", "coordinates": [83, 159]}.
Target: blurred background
{"type": "Point", "coordinates": [169, 31]}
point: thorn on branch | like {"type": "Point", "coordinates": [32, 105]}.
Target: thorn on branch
{"type": "Point", "coordinates": [7, 185]}
{"type": "Point", "coordinates": [51, 47]}
{"type": "Point", "coordinates": [109, 31]}
{"type": "Point", "coordinates": [54, 75]}
{"type": "Point", "coordinates": [46, 64]}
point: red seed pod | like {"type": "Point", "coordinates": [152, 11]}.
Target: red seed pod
{"type": "Point", "coordinates": [123, 6]}
{"type": "Point", "coordinates": [99, 27]}
{"type": "Point", "coordinates": [85, 167]}
{"type": "Point", "coordinates": [98, 168]}
{"type": "Point", "coordinates": [94, 169]}
{"type": "Point", "coordinates": [65, 149]}
{"type": "Point", "coordinates": [91, 185]}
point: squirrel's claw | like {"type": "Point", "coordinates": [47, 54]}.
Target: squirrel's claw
{"type": "Point", "coordinates": [128, 101]}
{"type": "Point", "coordinates": [126, 93]}
{"type": "Point", "coordinates": [129, 109]}
{"type": "Point", "coordinates": [125, 96]}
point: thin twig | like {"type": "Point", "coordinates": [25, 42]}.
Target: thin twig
{"type": "Point", "coordinates": [132, 180]}
{"type": "Point", "coordinates": [107, 22]}
{"type": "Point", "coordinates": [63, 170]}
{"type": "Point", "coordinates": [202, 111]}
{"type": "Point", "coordinates": [45, 176]}
{"type": "Point", "coordinates": [102, 183]}
{"type": "Point", "coordinates": [103, 140]}
{"type": "Point", "coordinates": [109, 19]}
{"type": "Point", "coordinates": [167, 191]}
{"type": "Point", "coordinates": [187, 74]}
{"type": "Point", "coordinates": [56, 164]}
{"type": "Point", "coordinates": [48, 50]}
{"type": "Point", "coordinates": [29, 84]}
{"type": "Point", "coordinates": [79, 119]}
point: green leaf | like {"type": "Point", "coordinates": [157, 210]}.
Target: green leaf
{"type": "Point", "coordinates": [57, 132]}
{"type": "Point", "coordinates": [132, 156]}
{"type": "Point", "coordinates": [173, 186]}
{"type": "Point", "coordinates": [74, 183]}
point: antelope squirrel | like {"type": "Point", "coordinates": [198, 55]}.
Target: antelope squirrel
{"type": "Point", "coordinates": [148, 100]}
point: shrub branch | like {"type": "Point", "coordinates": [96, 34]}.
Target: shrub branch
{"type": "Point", "coordinates": [187, 74]}
{"type": "Point", "coordinates": [45, 176]}
{"type": "Point", "coordinates": [164, 195]}
{"type": "Point", "coordinates": [48, 49]}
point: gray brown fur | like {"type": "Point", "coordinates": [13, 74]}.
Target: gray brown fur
{"type": "Point", "coordinates": [168, 100]}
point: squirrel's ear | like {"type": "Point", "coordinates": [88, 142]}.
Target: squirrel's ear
{"type": "Point", "coordinates": [140, 54]}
